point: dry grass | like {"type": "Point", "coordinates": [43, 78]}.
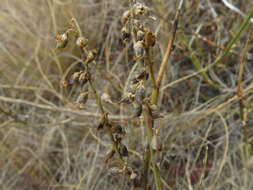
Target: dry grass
{"type": "Point", "coordinates": [47, 143]}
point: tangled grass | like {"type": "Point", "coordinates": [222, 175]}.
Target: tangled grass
{"type": "Point", "coordinates": [46, 142]}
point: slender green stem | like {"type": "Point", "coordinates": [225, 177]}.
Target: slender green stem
{"type": "Point", "coordinates": [149, 123]}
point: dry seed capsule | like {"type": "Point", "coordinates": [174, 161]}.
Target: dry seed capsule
{"type": "Point", "coordinates": [117, 138]}
{"type": "Point", "coordinates": [81, 42]}
{"type": "Point", "coordinates": [123, 150]}
{"type": "Point", "coordinates": [127, 99]}
{"type": "Point", "coordinates": [83, 78]}
{"type": "Point", "coordinates": [140, 9]}
{"type": "Point", "coordinates": [125, 33]}
{"type": "Point", "coordinates": [118, 129]}
{"type": "Point", "coordinates": [140, 35]}
{"type": "Point", "coordinates": [61, 40]}
{"type": "Point", "coordinates": [138, 25]}
{"type": "Point", "coordinates": [155, 111]}
{"type": "Point", "coordinates": [139, 48]}
{"type": "Point", "coordinates": [156, 143]}
{"type": "Point", "coordinates": [150, 39]}
{"type": "Point", "coordinates": [82, 98]}
{"type": "Point", "coordinates": [75, 77]}
{"type": "Point", "coordinates": [91, 56]}
{"type": "Point", "coordinates": [125, 17]}
{"type": "Point", "coordinates": [137, 110]}
{"type": "Point", "coordinates": [140, 74]}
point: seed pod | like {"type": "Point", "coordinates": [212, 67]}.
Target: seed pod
{"type": "Point", "coordinates": [139, 48]}
{"type": "Point", "coordinates": [125, 17]}
{"type": "Point", "coordinates": [140, 9]}
{"type": "Point", "coordinates": [140, 93]}
{"type": "Point", "coordinates": [127, 99]}
{"type": "Point", "coordinates": [118, 129]}
{"type": "Point", "coordinates": [140, 35]}
{"type": "Point", "coordinates": [156, 143]}
{"type": "Point", "coordinates": [123, 150]}
{"type": "Point", "coordinates": [91, 56]}
{"type": "Point", "coordinates": [61, 40]}
{"type": "Point", "coordinates": [138, 75]}
{"type": "Point", "coordinates": [138, 25]}
{"type": "Point", "coordinates": [117, 137]}
{"type": "Point", "coordinates": [137, 110]}
{"type": "Point", "coordinates": [155, 111]}
{"type": "Point", "coordinates": [81, 42]}
{"type": "Point", "coordinates": [150, 39]}
{"type": "Point", "coordinates": [109, 155]}
{"type": "Point", "coordinates": [75, 77]}
{"type": "Point", "coordinates": [83, 97]}
{"type": "Point", "coordinates": [64, 84]}
{"type": "Point", "coordinates": [83, 78]}
{"type": "Point", "coordinates": [125, 32]}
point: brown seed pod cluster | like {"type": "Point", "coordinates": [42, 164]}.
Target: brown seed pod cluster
{"type": "Point", "coordinates": [143, 38]}
{"type": "Point", "coordinates": [115, 132]}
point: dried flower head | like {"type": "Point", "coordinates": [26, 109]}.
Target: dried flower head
{"type": "Point", "coordinates": [137, 110]}
{"type": "Point", "coordinates": [156, 143]}
{"type": "Point", "coordinates": [138, 75]}
{"type": "Point", "coordinates": [83, 78]}
{"type": "Point", "coordinates": [123, 150]}
{"type": "Point", "coordinates": [140, 9]}
{"type": "Point", "coordinates": [82, 98]}
{"type": "Point", "coordinates": [150, 39]}
{"type": "Point", "coordinates": [91, 56]}
{"type": "Point", "coordinates": [127, 98]}
{"type": "Point", "coordinates": [81, 42]}
{"type": "Point", "coordinates": [61, 40]}
{"type": "Point", "coordinates": [139, 48]}
{"type": "Point", "coordinates": [125, 17]}
{"type": "Point", "coordinates": [75, 77]}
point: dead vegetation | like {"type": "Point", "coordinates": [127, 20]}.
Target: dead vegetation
{"type": "Point", "coordinates": [204, 108]}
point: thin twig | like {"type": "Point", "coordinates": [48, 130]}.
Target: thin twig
{"type": "Point", "coordinates": [156, 89]}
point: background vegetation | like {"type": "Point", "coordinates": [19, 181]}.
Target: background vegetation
{"type": "Point", "coordinates": [46, 142]}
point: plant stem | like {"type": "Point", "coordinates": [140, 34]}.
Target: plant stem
{"type": "Point", "coordinates": [150, 123]}
{"type": "Point", "coordinates": [156, 89]}
{"type": "Point", "coordinates": [101, 110]}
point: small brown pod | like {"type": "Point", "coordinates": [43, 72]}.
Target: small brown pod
{"type": "Point", "coordinates": [137, 110]}
{"type": "Point", "coordinates": [140, 35]}
{"type": "Point", "coordinates": [139, 48]}
{"type": "Point", "coordinates": [125, 17]}
{"type": "Point", "coordinates": [150, 39]}
{"type": "Point", "coordinates": [75, 77]}
{"type": "Point", "coordinates": [82, 98]}
{"type": "Point", "coordinates": [61, 40]}
{"type": "Point", "coordinates": [123, 150]}
{"type": "Point", "coordinates": [127, 99]}
{"type": "Point", "coordinates": [83, 78]}
{"type": "Point", "coordinates": [91, 56]}
{"type": "Point", "coordinates": [156, 143]}
{"type": "Point", "coordinates": [81, 42]}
